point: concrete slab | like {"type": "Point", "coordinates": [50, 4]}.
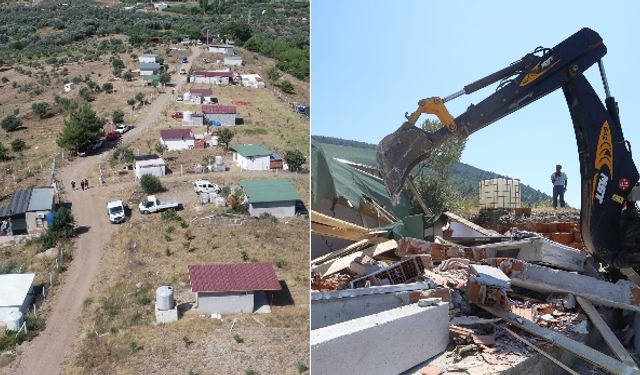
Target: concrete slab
{"type": "Point", "coordinates": [389, 342]}
{"type": "Point", "coordinates": [544, 279]}
{"type": "Point", "coordinates": [488, 275]}
{"type": "Point", "coordinates": [328, 308]}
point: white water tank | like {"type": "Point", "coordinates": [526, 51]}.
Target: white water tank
{"type": "Point", "coordinates": [186, 116]}
{"type": "Point", "coordinates": [214, 140]}
{"type": "Point", "coordinates": [219, 160]}
{"type": "Point", "coordinates": [164, 298]}
{"type": "Point", "coordinates": [15, 320]}
{"type": "Point", "coordinates": [186, 97]}
{"type": "Point", "coordinates": [220, 201]}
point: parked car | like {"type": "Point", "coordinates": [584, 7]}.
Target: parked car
{"type": "Point", "coordinates": [204, 186]}
{"type": "Point", "coordinates": [112, 135]}
{"type": "Point", "coordinates": [96, 146]}
{"type": "Point", "coordinates": [176, 115]}
{"type": "Point", "coordinates": [184, 60]}
{"type": "Point", "coordinates": [122, 128]}
{"type": "Point", "coordinates": [183, 71]}
{"type": "Point", "coordinates": [152, 204]}
{"type": "Point", "coordinates": [115, 210]}
{"type": "Point", "coordinates": [301, 209]}
{"type": "Point", "coordinates": [179, 98]}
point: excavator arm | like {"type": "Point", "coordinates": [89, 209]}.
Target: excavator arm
{"type": "Point", "coordinates": [610, 226]}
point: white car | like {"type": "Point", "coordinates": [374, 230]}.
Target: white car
{"type": "Point", "coordinates": [115, 209]}
{"type": "Point", "coordinates": [204, 186]}
{"type": "Point", "coordinates": [122, 128]}
{"type": "Point", "coordinates": [183, 71]}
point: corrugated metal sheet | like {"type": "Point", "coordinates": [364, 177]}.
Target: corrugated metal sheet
{"type": "Point", "coordinates": [41, 199]}
{"type": "Point", "coordinates": [273, 190]}
{"type": "Point", "coordinates": [219, 109]}
{"type": "Point", "coordinates": [14, 288]}
{"type": "Point", "coordinates": [251, 150]}
{"type": "Point", "coordinates": [19, 203]}
{"type": "Point", "coordinates": [235, 277]}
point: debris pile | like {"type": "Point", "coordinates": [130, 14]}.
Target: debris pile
{"type": "Point", "coordinates": [513, 298]}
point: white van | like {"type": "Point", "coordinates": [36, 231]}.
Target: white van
{"type": "Point", "coordinates": [204, 186]}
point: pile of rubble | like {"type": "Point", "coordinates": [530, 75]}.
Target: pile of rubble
{"type": "Point", "coordinates": [518, 301]}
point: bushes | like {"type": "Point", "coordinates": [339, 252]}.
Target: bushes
{"type": "Point", "coordinates": [150, 184]}
{"type": "Point", "coordinates": [18, 145]}
{"type": "Point", "coordinates": [11, 123]}
{"type": "Point", "coordinates": [117, 117]}
{"type": "Point", "coordinates": [40, 109]}
{"type": "Point", "coordinates": [287, 87]}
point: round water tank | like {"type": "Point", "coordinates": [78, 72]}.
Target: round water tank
{"type": "Point", "coordinates": [186, 116]}
{"type": "Point", "coordinates": [164, 298]}
{"type": "Point", "coordinates": [214, 140]}
{"type": "Point", "coordinates": [15, 320]}
{"type": "Point", "coordinates": [219, 160]}
{"type": "Point", "coordinates": [186, 96]}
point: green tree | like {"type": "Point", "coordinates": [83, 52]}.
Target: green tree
{"type": "Point", "coordinates": [240, 31]}
{"type": "Point", "coordinates": [81, 128]}
{"type": "Point", "coordinates": [165, 78]}
{"type": "Point", "coordinates": [204, 4]}
{"type": "Point", "coordinates": [287, 87]}
{"type": "Point", "coordinates": [122, 155]}
{"type": "Point", "coordinates": [433, 183]}
{"type": "Point", "coordinates": [18, 145]}
{"type": "Point", "coordinates": [107, 87]}
{"type": "Point", "coordinates": [294, 159]}
{"type": "Point", "coordinates": [140, 98]}
{"type": "Point", "coordinates": [225, 135]}
{"type": "Point", "coordinates": [273, 73]}
{"type": "Point", "coordinates": [117, 66]}
{"type": "Point", "coordinates": [161, 148]}
{"type": "Point", "coordinates": [150, 184]}
{"type": "Point", "coordinates": [11, 123]}
{"type": "Point", "coordinates": [117, 117]}
{"type": "Point", "coordinates": [128, 76]}
{"type": "Point", "coordinates": [40, 108]}
{"type": "Point", "coordinates": [132, 103]}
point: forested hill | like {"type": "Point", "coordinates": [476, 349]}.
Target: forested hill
{"type": "Point", "coordinates": [464, 176]}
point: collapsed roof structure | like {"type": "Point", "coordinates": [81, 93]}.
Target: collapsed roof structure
{"type": "Point", "coordinates": [400, 291]}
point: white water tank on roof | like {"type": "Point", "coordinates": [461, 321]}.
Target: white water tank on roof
{"type": "Point", "coordinates": [15, 320]}
{"type": "Point", "coordinates": [164, 298]}
{"type": "Point", "coordinates": [186, 116]}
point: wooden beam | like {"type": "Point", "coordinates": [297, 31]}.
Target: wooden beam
{"type": "Point", "coordinates": [341, 252]}
{"type": "Point", "coordinates": [547, 355]}
{"type": "Point", "coordinates": [477, 228]}
{"type": "Point", "coordinates": [609, 337]}
{"type": "Point", "coordinates": [317, 217]}
{"type": "Point", "coordinates": [417, 196]}
{"type": "Point", "coordinates": [581, 350]}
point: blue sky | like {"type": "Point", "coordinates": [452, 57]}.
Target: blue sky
{"type": "Point", "coordinates": [371, 61]}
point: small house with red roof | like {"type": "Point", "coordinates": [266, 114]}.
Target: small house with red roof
{"type": "Point", "coordinates": [177, 139]}
{"type": "Point", "coordinates": [219, 114]}
{"type": "Point", "coordinates": [233, 288]}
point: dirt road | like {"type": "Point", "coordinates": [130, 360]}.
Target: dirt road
{"type": "Point", "coordinates": [45, 354]}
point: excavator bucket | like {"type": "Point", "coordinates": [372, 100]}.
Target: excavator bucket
{"type": "Point", "coordinates": [402, 150]}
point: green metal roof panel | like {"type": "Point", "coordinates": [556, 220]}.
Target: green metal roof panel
{"type": "Point", "coordinates": [251, 150]}
{"type": "Point", "coordinates": [331, 179]}
{"type": "Point", "coordinates": [273, 190]}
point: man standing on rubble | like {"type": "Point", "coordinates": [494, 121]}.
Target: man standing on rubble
{"type": "Point", "coordinates": [559, 181]}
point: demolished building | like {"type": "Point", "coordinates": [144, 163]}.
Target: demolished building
{"type": "Point", "coordinates": [395, 291]}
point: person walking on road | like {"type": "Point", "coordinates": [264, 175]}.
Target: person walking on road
{"type": "Point", "coordinates": [82, 184]}
{"type": "Point", "coordinates": [73, 185]}
{"type": "Point", "coordinates": [559, 181]}
{"type": "Point", "coordinates": [86, 183]}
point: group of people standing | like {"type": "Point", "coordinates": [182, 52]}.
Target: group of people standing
{"type": "Point", "coordinates": [84, 184]}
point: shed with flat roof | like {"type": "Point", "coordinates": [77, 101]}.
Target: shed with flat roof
{"type": "Point", "coordinates": [276, 197]}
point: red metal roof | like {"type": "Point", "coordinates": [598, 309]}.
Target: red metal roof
{"type": "Point", "coordinates": [234, 277]}
{"type": "Point", "coordinates": [201, 92]}
{"type": "Point", "coordinates": [213, 74]}
{"type": "Point", "coordinates": [219, 109]}
{"type": "Point", "coordinates": [173, 134]}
